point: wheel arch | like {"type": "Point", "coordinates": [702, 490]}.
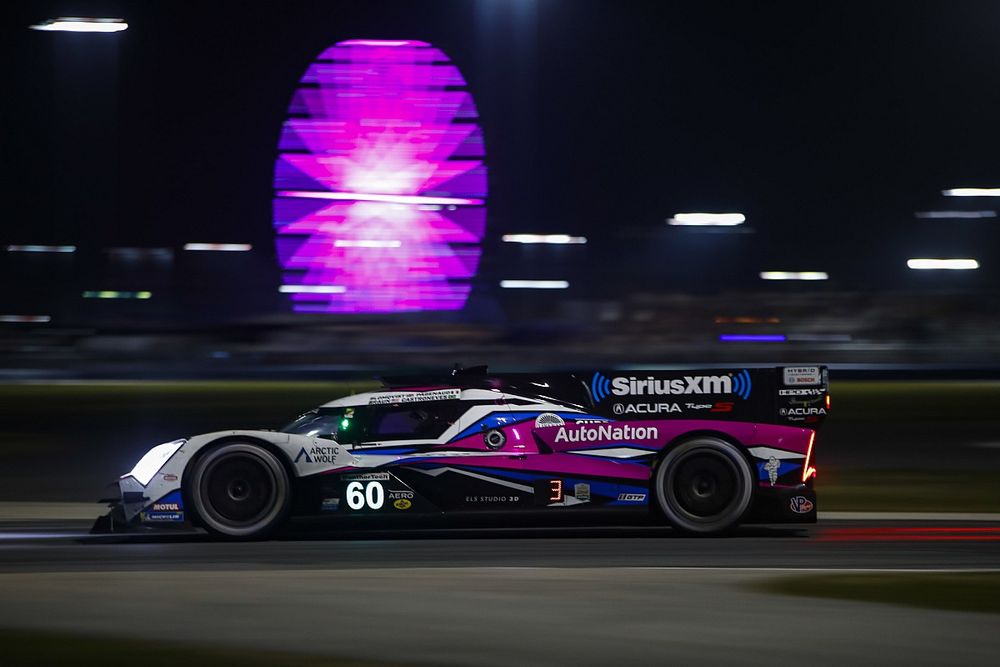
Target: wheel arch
{"type": "Point", "coordinates": [701, 432]}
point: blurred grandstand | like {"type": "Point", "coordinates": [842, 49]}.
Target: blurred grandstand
{"type": "Point", "coordinates": [849, 329]}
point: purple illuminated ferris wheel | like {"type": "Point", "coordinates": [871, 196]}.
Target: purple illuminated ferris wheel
{"type": "Point", "coordinates": [380, 182]}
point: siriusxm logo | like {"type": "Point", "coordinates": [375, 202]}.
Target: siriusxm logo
{"type": "Point", "coordinates": [734, 383]}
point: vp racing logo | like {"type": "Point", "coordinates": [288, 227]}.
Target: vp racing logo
{"type": "Point", "coordinates": [732, 383]}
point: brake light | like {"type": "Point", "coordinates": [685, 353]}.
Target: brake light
{"type": "Point", "coordinates": [807, 469]}
{"type": "Point", "coordinates": [828, 402]}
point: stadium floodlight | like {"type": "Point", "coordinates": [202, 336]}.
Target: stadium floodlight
{"type": "Point", "coordinates": [41, 248]}
{"type": "Point", "coordinates": [367, 243]}
{"type": "Point", "coordinates": [312, 289]}
{"type": "Point", "coordinates": [34, 319]}
{"type": "Point", "coordinates": [555, 239]}
{"type": "Point", "coordinates": [794, 275]}
{"type": "Point", "coordinates": [219, 247]}
{"type": "Point", "coordinates": [388, 199]}
{"type": "Point", "coordinates": [946, 215]}
{"type": "Point", "coordinates": [972, 192]}
{"type": "Point", "coordinates": [707, 219]}
{"type": "Point", "coordinates": [534, 284]}
{"type": "Point", "coordinates": [78, 24]}
{"type": "Point", "coordinates": [927, 264]}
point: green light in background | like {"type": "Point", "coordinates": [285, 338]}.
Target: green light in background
{"type": "Point", "coordinates": [112, 294]}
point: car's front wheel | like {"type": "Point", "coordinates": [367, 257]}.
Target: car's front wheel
{"type": "Point", "coordinates": [704, 485]}
{"type": "Point", "coordinates": [239, 490]}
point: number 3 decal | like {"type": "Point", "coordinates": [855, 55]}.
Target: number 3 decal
{"type": "Point", "coordinates": [373, 496]}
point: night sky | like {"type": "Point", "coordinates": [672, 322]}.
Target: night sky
{"type": "Point", "coordinates": [827, 124]}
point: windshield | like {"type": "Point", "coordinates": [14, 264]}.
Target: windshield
{"type": "Point", "coordinates": [321, 423]}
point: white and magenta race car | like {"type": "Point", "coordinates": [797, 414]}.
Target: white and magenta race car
{"type": "Point", "coordinates": [703, 450]}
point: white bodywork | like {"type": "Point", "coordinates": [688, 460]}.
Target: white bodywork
{"type": "Point", "coordinates": [324, 454]}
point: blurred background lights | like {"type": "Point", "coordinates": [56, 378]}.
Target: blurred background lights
{"type": "Point", "coordinates": [219, 247]}
{"type": "Point", "coordinates": [942, 264]}
{"type": "Point", "coordinates": [794, 275]}
{"type": "Point", "coordinates": [957, 215]}
{"type": "Point", "coordinates": [972, 192]}
{"type": "Point", "coordinates": [77, 24]}
{"type": "Point", "coordinates": [114, 294]}
{"type": "Point", "coordinates": [534, 284]}
{"type": "Point", "coordinates": [554, 239]}
{"type": "Point", "coordinates": [752, 338]}
{"type": "Point", "coordinates": [707, 219]}
{"type": "Point", "coordinates": [312, 289]}
{"type": "Point", "coordinates": [42, 248]}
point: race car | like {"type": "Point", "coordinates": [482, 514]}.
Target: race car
{"type": "Point", "coordinates": [701, 450]}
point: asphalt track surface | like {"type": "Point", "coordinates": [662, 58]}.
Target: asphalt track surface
{"type": "Point", "coordinates": [501, 596]}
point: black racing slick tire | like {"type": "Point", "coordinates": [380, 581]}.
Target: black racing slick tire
{"type": "Point", "coordinates": [240, 491]}
{"type": "Point", "coordinates": [704, 486]}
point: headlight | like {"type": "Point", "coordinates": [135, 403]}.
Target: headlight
{"type": "Point", "coordinates": [154, 459]}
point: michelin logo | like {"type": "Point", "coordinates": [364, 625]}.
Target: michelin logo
{"type": "Point", "coordinates": [734, 383]}
{"type": "Point", "coordinates": [772, 466]}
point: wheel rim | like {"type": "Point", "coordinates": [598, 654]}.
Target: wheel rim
{"type": "Point", "coordinates": [240, 490]}
{"type": "Point", "coordinates": [705, 484]}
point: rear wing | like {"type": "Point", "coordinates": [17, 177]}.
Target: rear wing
{"type": "Point", "coordinates": [791, 395]}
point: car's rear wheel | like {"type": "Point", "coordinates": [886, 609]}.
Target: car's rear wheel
{"type": "Point", "coordinates": [704, 485]}
{"type": "Point", "coordinates": [240, 490]}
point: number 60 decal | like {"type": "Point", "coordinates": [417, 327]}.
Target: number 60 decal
{"type": "Point", "coordinates": [372, 497]}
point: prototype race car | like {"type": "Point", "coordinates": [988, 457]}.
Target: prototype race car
{"type": "Point", "coordinates": [704, 450]}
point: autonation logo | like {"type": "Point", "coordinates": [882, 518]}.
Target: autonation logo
{"type": "Point", "coordinates": [733, 383]}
